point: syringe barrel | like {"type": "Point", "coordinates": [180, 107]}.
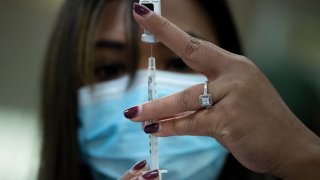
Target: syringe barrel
{"type": "Point", "coordinates": [152, 79]}
{"type": "Point", "coordinates": [154, 164]}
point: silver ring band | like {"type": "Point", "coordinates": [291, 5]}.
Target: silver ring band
{"type": "Point", "coordinates": [205, 99]}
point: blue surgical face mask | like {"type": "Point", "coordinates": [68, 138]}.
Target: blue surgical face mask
{"type": "Point", "coordinates": [111, 144]}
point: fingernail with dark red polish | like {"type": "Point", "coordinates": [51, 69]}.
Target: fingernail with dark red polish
{"type": "Point", "coordinates": [138, 166]}
{"type": "Point", "coordinates": [151, 175]}
{"type": "Point", "coordinates": [132, 112]}
{"type": "Point", "coordinates": [151, 128]}
{"type": "Point", "coordinates": [140, 9]}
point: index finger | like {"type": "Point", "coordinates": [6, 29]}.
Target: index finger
{"type": "Point", "coordinates": [181, 102]}
{"type": "Point", "coordinates": [135, 171]}
{"type": "Point", "coordinates": [202, 56]}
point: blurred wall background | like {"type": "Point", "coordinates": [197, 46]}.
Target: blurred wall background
{"type": "Point", "coordinates": [24, 30]}
{"type": "Point", "coordinates": [281, 37]}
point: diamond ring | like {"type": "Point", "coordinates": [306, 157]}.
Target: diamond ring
{"type": "Point", "coordinates": [205, 98]}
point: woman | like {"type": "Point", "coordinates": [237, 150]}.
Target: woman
{"type": "Point", "coordinates": [96, 43]}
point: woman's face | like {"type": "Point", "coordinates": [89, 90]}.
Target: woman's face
{"type": "Point", "coordinates": [111, 47]}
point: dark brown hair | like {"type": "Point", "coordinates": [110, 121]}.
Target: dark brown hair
{"type": "Point", "coordinates": [62, 75]}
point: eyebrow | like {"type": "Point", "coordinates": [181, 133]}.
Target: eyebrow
{"type": "Point", "coordinates": [110, 44]}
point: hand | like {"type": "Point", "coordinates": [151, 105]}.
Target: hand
{"type": "Point", "coordinates": [248, 117]}
{"type": "Point", "coordinates": [139, 172]}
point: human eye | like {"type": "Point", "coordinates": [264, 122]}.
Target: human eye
{"type": "Point", "coordinates": [107, 72]}
{"type": "Point", "coordinates": [177, 65]}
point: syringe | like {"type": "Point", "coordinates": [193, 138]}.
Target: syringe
{"type": "Point", "coordinates": [152, 95]}
{"type": "Point", "coordinates": [147, 37]}
{"type": "Point", "coordinates": [153, 141]}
